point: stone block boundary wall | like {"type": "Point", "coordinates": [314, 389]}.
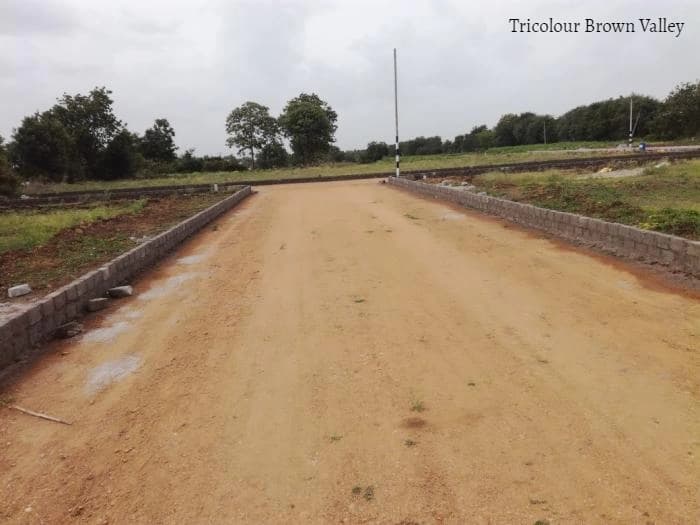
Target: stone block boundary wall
{"type": "Point", "coordinates": [26, 330]}
{"type": "Point", "coordinates": [675, 253]}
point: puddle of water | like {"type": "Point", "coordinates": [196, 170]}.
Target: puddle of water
{"type": "Point", "coordinates": [106, 334]}
{"type": "Point", "coordinates": [168, 286]}
{"type": "Point", "coordinates": [103, 375]}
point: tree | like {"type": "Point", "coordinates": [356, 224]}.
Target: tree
{"type": "Point", "coordinates": [189, 163]}
{"type": "Point", "coordinates": [250, 127]}
{"type": "Point", "coordinates": [119, 159]}
{"type": "Point", "coordinates": [375, 151]}
{"type": "Point", "coordinates": [43, 148]}
{"type": "Point", "coordinates": [157, 143]}
{"type": "Point", "coordinates": [273, 155]}
{"type": "Point", "coordinates": [91, 124]}
{"type": "Point", "coordinates": [8, 181]}
{"type": "Point", "coordinates": [679, 115]}
{"type": "Point", "coordinates": [310, 124]}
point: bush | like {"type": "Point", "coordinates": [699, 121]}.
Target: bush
{"type": "Point", "coordinates": [8, 181]}
{"type": "Point", "coordinates": [684, 223]}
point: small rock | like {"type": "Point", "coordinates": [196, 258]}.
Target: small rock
{"type": "Point", "coordinates": [79, 231]}
{"type": "Point", "coordinates": [121, 291]}
{"type": "Point", "coordinates": [68, 330]}
{"type": "Point", "coordinates": [97, 304]}
{"type": "Point", "coordinates": [19, 290]}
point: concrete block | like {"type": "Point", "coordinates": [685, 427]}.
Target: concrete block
{"type": "Point", "coordinates": [677, 244]}
{"type": "Point", "coordinates": [71, 292]}
{"type": "Point", "coordinates": [34, 315]}
{"type": "Point", "coordinates": [68, 330]}
{"type": "Point", "coordinates": [19, 290]}
{"type": "Point", "coordinates": [667, 256]}
{"type": "Point", "coordinates": [71, 310]}
{"type": "Point", "coordinates": [121, 291]}
{"type": "Point", "coordinates": [693, 248]}
{"type": "Point", "coordinates": [97, 304]}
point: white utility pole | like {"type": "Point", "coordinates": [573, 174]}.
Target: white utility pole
{"type": "Point", "coordinates": [631, 130]}
{"type": "Point", "coordinates": [396, 116]}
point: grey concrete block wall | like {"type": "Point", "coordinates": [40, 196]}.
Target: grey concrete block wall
{"type": "Point", "coordinates": [676, 253]}
{"type": "Point", "coordinates": [21, 333]}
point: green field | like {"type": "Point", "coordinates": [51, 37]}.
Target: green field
{"type": "Point", "coordinates": [492, 156]}
{"type": "Point", "coordinates": [25, 230]}
{"type": "Point", "coordinates": [665, 199]}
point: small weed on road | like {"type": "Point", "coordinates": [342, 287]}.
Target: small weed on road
{"type": "Point", "coordinates": [417, 406]}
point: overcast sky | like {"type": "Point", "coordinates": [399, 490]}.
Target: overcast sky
{"type": "Point", "coordinates": [459, 63]}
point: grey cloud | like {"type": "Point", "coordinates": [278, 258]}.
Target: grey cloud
{"type": "Point", "coordinates": [459, 65]}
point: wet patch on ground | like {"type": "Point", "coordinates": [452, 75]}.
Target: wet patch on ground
{"type": "Point", "coordinates": [110, 372]}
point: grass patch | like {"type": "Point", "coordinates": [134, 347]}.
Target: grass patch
{"type": "Point", "coordinates": [664, 199]}
{"type": "Point", "coordinates": [25, 230]}
{"type": "Point", "coordinates": [74, 250]}
{"type": "Point", "coordinates": [410, 443]}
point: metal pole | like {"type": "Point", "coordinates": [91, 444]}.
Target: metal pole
{"type": "Point", "coordinates": [631, 131]}
{"type": "Point", "coordinates": [396, 115]}
{"type": "Point", "coordinates": [545, 131]}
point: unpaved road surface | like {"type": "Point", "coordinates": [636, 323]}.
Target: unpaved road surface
{"type": "Point", "coordinates": [349, 353]}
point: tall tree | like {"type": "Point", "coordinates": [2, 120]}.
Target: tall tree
{"type": "Point", "coordinates": [158, 142]}
{"type": "Point", "coordinates": [250, 127]}
{"type": "Point", "coordinates": [119, 159]}
{"type": "Point", "coordinates": [91, 124]}
{"type": "Point", "coordinates": [679, 115]}
{"type": "Point", "coordinates": [43, 148]}
{"type": "Point", "coordinates": [310, 125]}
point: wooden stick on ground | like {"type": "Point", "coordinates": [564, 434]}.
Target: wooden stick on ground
{"type": "Point", "coordinates": [40, 415]}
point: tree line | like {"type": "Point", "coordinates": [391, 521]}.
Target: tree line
{"type": "Point", "coordinates": [81, 138]}
{"type": "Point", "coordinates": [677, 116]}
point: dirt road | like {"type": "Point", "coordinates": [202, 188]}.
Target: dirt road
{"type": "Point", "coordinates": [347, 352]}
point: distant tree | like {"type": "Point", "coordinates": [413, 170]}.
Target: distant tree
{"type": "Point", "coordinates": [189, 163]}
{"type": "Point", "coordinates": [273, 155]}
{"type": "Point", "coordinates": [8, 181]}
{"type": "Point", "coordinates": [158, 142]}
{"type": "Point", "coordinates": [310, 125]}
{"type": "Point", "coordinates": [375, 151]}
{"type": "Point", "coordinates": [679, 115]}
{"type": "Point", "coordinates": [119, 160]}
{"type": "Point", "coordinates": [91, 124]}
{"type": "Point", "coordinates": [504, 132]}
{"type": "Point", "coordinates": [43, 148]}
{"type": "Point", "coordinates": [250, 127]}
{"type": "Point", "coordinates": [607, 119]}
